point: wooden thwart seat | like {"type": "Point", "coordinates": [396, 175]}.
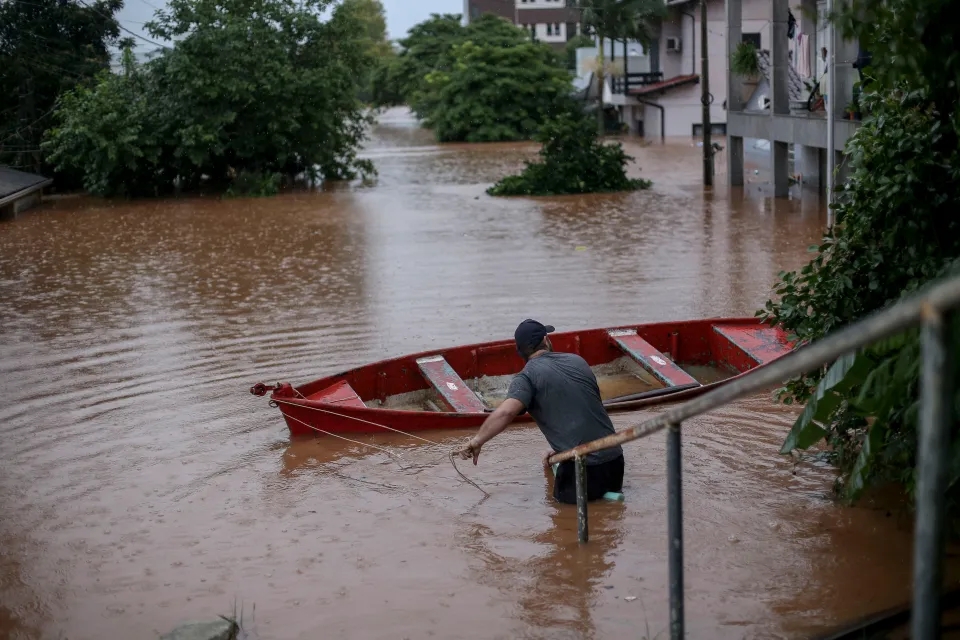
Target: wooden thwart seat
{"type": "Point", "coordinates": [761, 344]}
{"type": "Point", "coordinates": [650, 359]}
{"type": "Point", "coordinates": [451, 387]}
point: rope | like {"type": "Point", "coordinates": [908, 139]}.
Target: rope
{"type": "Point", "coordinates": [363, 444]}
{"type": "Point", "coordinates": [382, 426]}
{"type": "Point", "coordinates": [465, 478]}
{"type": "Point", "coordinates": [343, 415]}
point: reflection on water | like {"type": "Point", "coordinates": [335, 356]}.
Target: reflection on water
{"type": "Point", "coordinates": [142, 485]}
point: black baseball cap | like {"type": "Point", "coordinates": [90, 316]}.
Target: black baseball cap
{"type": "Point", "coordinates": [530, 334]}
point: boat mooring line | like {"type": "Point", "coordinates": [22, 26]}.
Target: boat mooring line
{"type": "Point", "coordinates": [343, 415]}
{"type": "Point", "coordinates": [382, 426]}
{"type": "Point", "coordinates": [362, 444]}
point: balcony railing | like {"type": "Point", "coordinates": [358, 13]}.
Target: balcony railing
{"type": "Point", "coordinates": [622, 84]}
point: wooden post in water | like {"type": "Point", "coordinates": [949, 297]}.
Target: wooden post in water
{"type": "Point", "coordinates": [583, 530]}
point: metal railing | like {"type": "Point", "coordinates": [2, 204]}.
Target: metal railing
{"type": "Point", "coordinates": [622, 83]}
{"type": "Point", "coordinates": [936, 387]}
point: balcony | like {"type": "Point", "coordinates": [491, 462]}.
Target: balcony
{"type": "Point", "coordinates": [621, 84]}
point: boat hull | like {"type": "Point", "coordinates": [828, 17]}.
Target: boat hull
{"type": "Point", "coordinates": [359, 400]}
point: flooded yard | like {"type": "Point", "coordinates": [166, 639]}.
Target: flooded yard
{"type": "Point", "coordinates": [141, 485]}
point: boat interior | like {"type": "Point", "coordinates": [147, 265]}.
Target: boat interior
{"type": "Point", "coordinates": [629, 362]}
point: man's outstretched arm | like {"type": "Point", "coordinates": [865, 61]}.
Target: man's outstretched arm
{"type": "Point", "coordinates": [496, 422]}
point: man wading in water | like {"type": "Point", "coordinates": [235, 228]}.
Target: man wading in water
{"type": "Point", "coordinates": [561, 394]}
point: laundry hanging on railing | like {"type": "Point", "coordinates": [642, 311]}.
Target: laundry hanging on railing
{"type": "Point", "coordinates": [801, 58]}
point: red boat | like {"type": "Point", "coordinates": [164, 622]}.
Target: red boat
{"type": "Point", "coordinates": [636, 366]}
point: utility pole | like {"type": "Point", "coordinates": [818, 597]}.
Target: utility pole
{"type": "Point", "coordinates": [705, 98]}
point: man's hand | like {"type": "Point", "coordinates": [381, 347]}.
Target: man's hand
{"type": "Point", "coordinates": [472, 450]}
{"type": "Point", "coordinates": [546, 457]}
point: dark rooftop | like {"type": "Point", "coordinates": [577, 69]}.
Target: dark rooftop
{"type": "Point", "coordinates": [13, 181]}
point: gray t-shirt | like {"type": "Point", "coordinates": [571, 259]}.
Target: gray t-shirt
{"type": "Point", "coordinates": [561, 393]}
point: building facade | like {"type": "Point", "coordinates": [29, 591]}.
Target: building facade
{"type": "Point", "coordinates": [549, 21]}
{"type": "Point", "coordinates": [782, 105]}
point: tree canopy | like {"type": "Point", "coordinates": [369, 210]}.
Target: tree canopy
{"type": "Point", "coordinates": [896, 231]}
{"type": "Point", "coordinates": [47, 47]}
{"type": "Point", "coordinates": [482, 82]}
{"type": "Point", "coordinates": [262, 87]}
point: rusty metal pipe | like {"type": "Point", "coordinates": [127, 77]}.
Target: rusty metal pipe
{"type": "Point", "coordinates": [583, 528]}
{"type": "Point", "coordinates": [675, 530]}
{"type": "Point", "coordinates": [933, 461]}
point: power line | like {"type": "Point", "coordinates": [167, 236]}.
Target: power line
{"type": "Point", "coordinates": [135, 35]}
{"type": "Point", "coordinates": [102, 15]}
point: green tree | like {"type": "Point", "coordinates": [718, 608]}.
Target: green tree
{"type": "Point", "coordinates": [371, 16]}
{"type": "Point", "coordinates": [896, 230]}
{"type": "Point", "coordinates": [573, 159]}
{"type": "Point", "coordinates": [617, 20]}
{"type": "Point", "coordinates": [427, 44]}
{"type": "Point", "coordinates": [47, 47]}
{"type": "Point", "coordinates": [494, 93]}
{"type": "Point", "coordinates": [252, 87]}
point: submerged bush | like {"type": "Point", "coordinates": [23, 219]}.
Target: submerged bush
{"type": "Point", "coordinates": [254, 183]}
{"type": "Point", "coordinates": [573, 159]}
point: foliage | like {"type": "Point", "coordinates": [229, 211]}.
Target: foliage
{"type": "Point", "coordinates": [495, 93]}
{"type": "Point", "coordinates": [570, 50]}
{"type": "Point", "coordinates": [619, 20]}
{"type": "Point", "coordinates": [572, 160]}
{"type": "Point", "coordinates": [896, 231]}
{"type": "Point", "coordinates": [262, 86]}
{"type": "Point", "coordinates": [252, 183]}
{"type": "Point", "coordinates": [47, 47]}
{"type": "Point", "coordinates": [372, 19]}
{"type": "Point", "coordinates": [385, 84]}
{"type": "Point", "coordinates": [422, 51]}
{"type": "Point", "coordinates": [743, 60]}
{"type": "Point", "coordinates": [110, 133]}
{"type": "Point", "coordinates": [482, 82]}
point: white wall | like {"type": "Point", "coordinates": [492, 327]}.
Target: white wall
{"type": "Point", "coordinates": [558, 32]}
{"type": "Point", "coordinates": [682, 105]}
{"type": "Point", "coordinates": [541, 4]}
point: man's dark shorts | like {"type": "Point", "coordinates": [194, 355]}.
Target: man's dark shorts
{"type": "Point", "coordinates": [601, 478]}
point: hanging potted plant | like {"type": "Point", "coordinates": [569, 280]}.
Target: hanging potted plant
{"type": "Point", "coordinates": [744, 63]}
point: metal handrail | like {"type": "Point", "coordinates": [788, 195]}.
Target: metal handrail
{"type": "Point", "coordinates": [923, 309]}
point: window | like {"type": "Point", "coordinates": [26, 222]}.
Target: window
{"type": "Point", "coordinates": [752, 38]}
{"type": "Point", "coordinates": [549, 29]}
{"type": "Point", "coordinates": [556, 28]}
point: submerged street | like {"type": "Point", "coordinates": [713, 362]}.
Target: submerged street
{"type": "Point", "coordinates": [141, 485]}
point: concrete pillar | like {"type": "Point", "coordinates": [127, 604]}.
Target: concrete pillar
{"type": "Point", "coordinates": [735, 160]}
{"type": "Point", "coordinates": [807, 160]}
{"type": "Point", "coordinates": [779, 81]}
{"type": "Point", "coordinates": [779, 49]}
{"type": "Point", "coordinates": [846, 75]}
{"type": "Point", "coordinates": [734, 32]}
{"type": "Point", "coordinates": [781, 176]}
{"type": "Point", "coordinates": [734, 11]}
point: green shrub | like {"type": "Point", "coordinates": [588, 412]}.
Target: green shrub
{"type": "Point", "coordinates": [572, 160]}
{"type": "Point", "coordinates": [897, 230]}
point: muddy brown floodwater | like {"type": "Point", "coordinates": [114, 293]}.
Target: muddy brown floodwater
{"type": "Point", "coordinates": [142, 485]}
